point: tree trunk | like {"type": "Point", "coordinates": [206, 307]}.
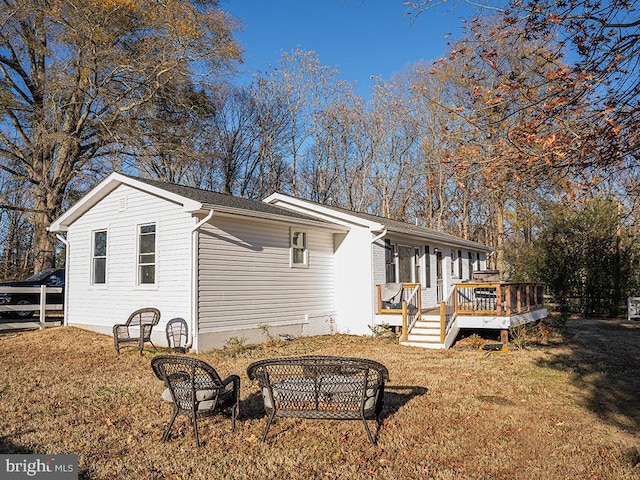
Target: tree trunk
{"type": "Point", "coordinates": [47, 203]}
{"type": "Point", "coordinates": [43, 243]}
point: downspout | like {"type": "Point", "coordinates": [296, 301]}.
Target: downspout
{"type": "Point", "coordinates": [193, 341]}
{"type": "Point", "coordinates": [66, 277]}
{"type": "Point", "coordinates": [373, 314]}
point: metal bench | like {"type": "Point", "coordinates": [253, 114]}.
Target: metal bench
{"type": "Point", "coordinates": [322, 387]}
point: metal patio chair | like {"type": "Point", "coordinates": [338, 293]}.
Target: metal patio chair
{"type": "Point", "coordinates": [137, 329]}
{"type": "Point", "coordinates": [177, 332]}
{"type": "Point", "coordinates": [196, 390]}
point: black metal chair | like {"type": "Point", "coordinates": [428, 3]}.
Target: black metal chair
{"type": "Point", "coordinates": [178, 334]}
{"type": "Point", "coordinates": [195, 389]}
{"type": "Point", "coordinates": [137, 329]}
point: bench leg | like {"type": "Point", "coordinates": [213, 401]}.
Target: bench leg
{"type": "Point", "coordinates": [266, 429]}
{"type": "Point", "coordinates": [372, 439]}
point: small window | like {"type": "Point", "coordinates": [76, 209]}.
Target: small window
{"type": "Point", "coordinates": [453, 263]}
{"type": "Point", "coordinates": [427, 267]}
{"type": "Point", "coordinates": [299, 254]}
{"type": "Point", "coordinates": [147, 255]}
{"type": "Point", "coordinates": [99, 263]}
{"type": "Point", "coordinates": [460, 264]}
{"type": "Point", "coordinates": [389, 261]}
{"type": "Point", "coordinates": [470, 265]}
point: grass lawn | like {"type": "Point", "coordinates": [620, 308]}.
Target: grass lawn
{"type": "Point", "coordinates": [565, 408]}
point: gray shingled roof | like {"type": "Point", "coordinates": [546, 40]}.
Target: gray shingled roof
{"type": "Point", "coordinates": [226, 201]}
{"type": "Point", "coordinates": [396, 226]}
{"type": "Point", "coordinates": [431, 234]}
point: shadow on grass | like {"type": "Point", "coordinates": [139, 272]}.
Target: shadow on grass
{"type": "Point", "coordinates": [603, 357]}
{"type": "Point", "coordinates": [8, 447]}
{"type": "Point", "coordinates": [395, 397]}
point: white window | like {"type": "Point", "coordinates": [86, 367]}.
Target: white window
{"type": "Point", "coordinates": [147, 254]}
{"type": "Point", "coordinates": [99, 261]}
{"type": "Point", "coordinates": [299, 253]}
{"type": "Point", "coordinates": [453, 263]}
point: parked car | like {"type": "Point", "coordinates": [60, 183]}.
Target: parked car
{"type": "Point", "coordinates": [51, 277]}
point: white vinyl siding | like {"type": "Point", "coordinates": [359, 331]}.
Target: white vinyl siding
{"type": "Point", "coordinates": [245, 278]}
{"type": "Point", "coordinates": [107, 305]}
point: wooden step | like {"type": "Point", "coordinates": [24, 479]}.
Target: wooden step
{"type": "Point", "coordinates": [425, 333]}
{"type": "Point", "coordinates": [424, 344]}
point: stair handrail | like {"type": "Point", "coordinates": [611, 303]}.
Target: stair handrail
{"type": "Point", "coordinates": [410, 317]}
{"type": "Point", "coordinates": [448, 314]}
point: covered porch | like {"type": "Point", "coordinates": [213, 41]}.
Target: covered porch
{"type": "Point", "coordinates": [470, 305]}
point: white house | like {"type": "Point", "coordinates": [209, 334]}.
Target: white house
{"type": "Point", "coordinates": [240, 268]}
{"type": "Point", "coordinates": [378, 251]}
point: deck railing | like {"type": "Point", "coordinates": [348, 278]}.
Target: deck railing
{"type": "Point", "coordinates": [411, 293]}
{"type": "Point", "coordinates": [409, 305]}
{"type": "Point", "coordinates": [498, 299]}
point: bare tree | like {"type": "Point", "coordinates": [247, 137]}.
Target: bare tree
{"type": "Point", "coordinates": [72, 72]}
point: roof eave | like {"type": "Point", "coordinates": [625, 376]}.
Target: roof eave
{"type": "Point", "coordinates": [230, 211]}
{"type": "Point", "coordinates": [333, 216]}
{"type": "Point", "coordinates": [108, 185]}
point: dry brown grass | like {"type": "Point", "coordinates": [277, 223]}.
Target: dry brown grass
{"type": "Point", "coordinates": [568, 408]}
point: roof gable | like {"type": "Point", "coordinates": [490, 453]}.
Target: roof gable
{"type": "Point", "coordinates": [191, 199]}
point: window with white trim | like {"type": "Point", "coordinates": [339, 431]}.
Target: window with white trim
{"type": "Point", "coordinates": [147, 254]}
{"type": "Point", "coordinates": [299, 252]}
{"type": "Point", "coordinates": [99, 258]}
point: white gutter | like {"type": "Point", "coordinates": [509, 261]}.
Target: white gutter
{"type": "Point", "coordinates": [66, 278]}
{"type": "Point", "coordinates": [193, 341]}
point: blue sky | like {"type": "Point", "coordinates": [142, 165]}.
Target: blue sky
{"type": "Point", "coordinates": [361, 38]}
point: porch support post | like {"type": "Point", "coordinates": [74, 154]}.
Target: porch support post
{"type": "Point", "coordinates": [443, 315]}
{"type": "Point", "coordinates": [504, 336]}
{"type": "Point", "coordinates": [404, 321]}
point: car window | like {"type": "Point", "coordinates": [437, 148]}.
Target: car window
{"type": "Point", "coordinates": [41, 275]}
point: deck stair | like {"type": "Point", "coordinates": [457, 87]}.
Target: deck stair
{"type": "Point", "coordinates": [425, 332]}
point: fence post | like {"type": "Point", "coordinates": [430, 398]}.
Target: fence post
{"type": "Point", "coordinates": [43, 303]}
